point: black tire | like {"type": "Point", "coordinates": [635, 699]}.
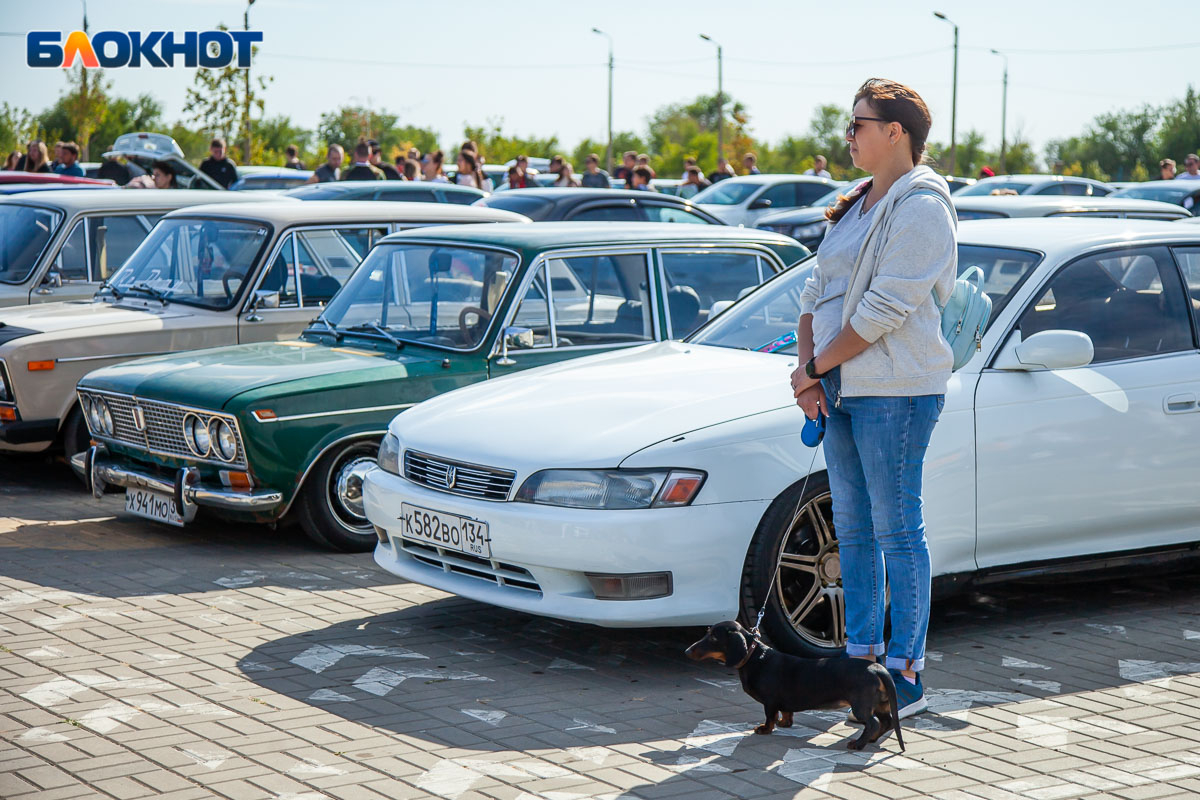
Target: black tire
{"type": "Point", "coordinates": [325, 518]}
{"type": "Point", "coordinates": [808, 586]}
{"type": "Point", "coordinates": [75, 436]}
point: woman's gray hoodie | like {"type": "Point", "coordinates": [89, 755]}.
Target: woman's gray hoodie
{"type": "Point", "coordinates": [909, 250]}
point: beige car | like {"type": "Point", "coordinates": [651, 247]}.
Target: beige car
{"type": "Point", "coordinates": [61, 245]}
{"type": "Point", "coordinates": [205, 276]}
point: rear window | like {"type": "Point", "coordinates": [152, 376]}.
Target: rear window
{"type": "Point", "coordinates": [536, 208]}
{"type": "Point", "coordinates": [984, 188]}
{"type": "Point", "coordinates": [1004, 269]}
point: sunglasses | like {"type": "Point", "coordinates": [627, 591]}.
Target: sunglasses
{"type": "Point", "coordinates": [856, 122]}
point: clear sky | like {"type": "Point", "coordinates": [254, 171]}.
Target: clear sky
{"type": "Point", "coordinates": [537, 66]}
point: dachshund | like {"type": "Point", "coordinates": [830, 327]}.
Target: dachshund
{"type": "Point", "coordinates": [786, 684]}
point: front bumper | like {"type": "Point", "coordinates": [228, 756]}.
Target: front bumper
{"type": "Point", "coordinates": [99, 470]}
{"type": "Point", "coordinates": [549, 549]}
{"type": "Point", "coordinates": [34, 431]}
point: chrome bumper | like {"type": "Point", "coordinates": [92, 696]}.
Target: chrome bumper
{"type": "Point", "coordinates": [98, 472]}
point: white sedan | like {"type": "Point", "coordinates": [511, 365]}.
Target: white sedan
{"type": "Point", "coordinates": [661, 485]}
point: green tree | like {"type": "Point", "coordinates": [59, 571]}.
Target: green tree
{"type": "Point", "coordinates": [348, 124]}
{"type": "Point", "coordinates": [17, 127]}
{"type": "Point", "coordinates": [218, 100]}
{"type": "Point", "coordinates": [679, 130]}
{"type": "Point", "coordinates": [86, 104]}
{"type": "Point", "coordinates": [1112, 144]}
{"type": "Point", "coordinates": [1180, 130]}
{"type": "Point", "coordinates": [497, 147]}
{"type": "Point", "coordinates": [276, 133]}
{"type": "Point", "coordinates": [143, 113]}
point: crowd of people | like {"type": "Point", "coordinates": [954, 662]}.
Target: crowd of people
{"type": "Point", "coordinates": [36, 158]}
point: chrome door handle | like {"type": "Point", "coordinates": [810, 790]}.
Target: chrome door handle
{"type": "Point", "coordinates": [45, 291]}
{"type": "Point", "coordinates": [1180, 403]}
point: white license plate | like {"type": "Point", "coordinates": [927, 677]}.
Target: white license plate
{"type": "Point", "coordinates": [152, 505]}
{"type": "Point", "coordinates": [443, 529]}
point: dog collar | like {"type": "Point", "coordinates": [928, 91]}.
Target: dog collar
{"type": "Point", "coordinates": [750, 652]}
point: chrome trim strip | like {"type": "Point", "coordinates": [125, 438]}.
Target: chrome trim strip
{"type": "Point", "coordinates": [73, 359]}
{"type": "Point", "coordinates": [316, 414]}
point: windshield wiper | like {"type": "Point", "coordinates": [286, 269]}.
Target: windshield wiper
{"type": "Point", "coordinates": [371, 326]}
{"type": "Point", "coordinates": [337, 335]}
{"type": "Point", "coordinates": [116, 293]}
{"type": "Point", "coordinates": [157, 294]}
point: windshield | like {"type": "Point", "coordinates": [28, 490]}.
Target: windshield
{"type": "Point", "coordinates": [318, 191]}
{"type": "Point", "coordinates": [984, 188]}
{"type": "Point", "coordinates": [536, 208]}
{"type": "Point", "coordinates": [201, 262]}
{"type": "Point", "coordinates": [766, 319]}
{"type": "Point", "coordinates": [435, 294]}
{"type": "Point", "coordinates": [726, 193]}
{"type": "Point", "coordinates": [24, 233]}
{"type": "Point", "coordinates": [1170, 194]}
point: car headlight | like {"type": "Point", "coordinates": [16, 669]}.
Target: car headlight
{"type": "Point", "coordinates": [220, 434]}
{"type": "Point", "coordinates": [611, 488]}
{"type": "Point", "coordinates": [195, 432]}
{"type": "Point", "coordinates": [106, 419]}
{"type": "Point", "coordinates": [6, 395]}
{"type": "Point", "coordinates": [389, 454]}
{"type": "Point", "coordinates": [92, 409]}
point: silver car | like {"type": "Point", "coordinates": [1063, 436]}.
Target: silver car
{"type": "Point", "coordinates": [742, 200]}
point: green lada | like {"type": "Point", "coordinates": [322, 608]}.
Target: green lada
{"type": "Point", "coordinates": [268, 431]}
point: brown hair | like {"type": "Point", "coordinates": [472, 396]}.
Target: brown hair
{"type": "Point", "coordinates": [895, 102]}
{"type": "Point", "coordinates": [43, 157]}
{"type": "Point", "coordinates": [472, 162]}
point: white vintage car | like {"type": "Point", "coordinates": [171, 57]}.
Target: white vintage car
{"type": "Point", "coordinates": [61, 245]}
{"type": "Point", "coordinates": [205, 276]}
{"type": "Point", "coordinates": [662, 485]}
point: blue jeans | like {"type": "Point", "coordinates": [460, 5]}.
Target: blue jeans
{"type": "Point", "coordinates": [875, 450]}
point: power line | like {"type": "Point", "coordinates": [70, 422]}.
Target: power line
{"type": "Point", "coordinates": [1095, 52]}
{"type": "Point", "coordinates": [842, 62]}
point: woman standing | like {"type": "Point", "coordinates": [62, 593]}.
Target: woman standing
{"type": "Point", "coordinates": [469, 173]}
{"type": "Point", "coordinates": [873, 359]}
{"type": "Point", "coordinates": [37, 158]}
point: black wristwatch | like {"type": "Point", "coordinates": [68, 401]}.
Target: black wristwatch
{"type": "Point", "coordinates": [810, 369]}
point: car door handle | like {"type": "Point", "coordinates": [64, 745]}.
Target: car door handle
{"type": "Point", "coordinates": [253, 318]}
{"type": "Point", "coordinates": [1180, 403]}
{"type": "Point", "coordinates": [45, 291]}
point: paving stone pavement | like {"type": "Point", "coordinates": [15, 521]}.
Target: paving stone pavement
{"type": "Point", "coordinates": [138, 660]}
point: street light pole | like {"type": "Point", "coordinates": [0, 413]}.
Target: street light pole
{"type": "Point", "coordinates": [246, 111]}
{"type": "Point", "coordinates": [720, 98]}
{"type": "Point", "coordinates": [83, 79]}
{"type": "Point", "coordinates": [609, 152]}
{"type": "Point", "coordinates": [954, 91]}
{"type": "Point", "coordinates": [1003, 116]}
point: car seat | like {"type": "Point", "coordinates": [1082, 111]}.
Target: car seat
{"type": "Point", "coordinates": [683, 307]}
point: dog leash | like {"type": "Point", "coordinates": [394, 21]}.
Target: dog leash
{"type": "Point", "coordinates": [799, 507]}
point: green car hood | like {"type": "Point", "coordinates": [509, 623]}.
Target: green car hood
{"type": "Point", "coordinates": [211, 378]}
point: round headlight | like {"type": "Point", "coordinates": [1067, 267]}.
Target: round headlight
{"type": "Point", "coordinates": [106, 420]}
{"type": "Point", "coordinates": [195, 432]}
{"type": "Point", "coordinates": [92, 409]}
{"type": "Point", "coordinates": [222, 436]}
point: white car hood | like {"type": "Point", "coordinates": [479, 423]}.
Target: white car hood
{"type": "Point", "coordinates": [58, 317]}
{"type": "Point", "coordinates": [596, 411]}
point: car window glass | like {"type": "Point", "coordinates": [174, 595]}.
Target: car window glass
{"type": "Point", "coordinates": [457, 198]}
{"type": "Point", "coordinates": [72, 257]}
{"type": "Point", "coordinates": [809, 193]}
{"type": "Point", "coordinates": [671, 214]}
{"type": "Point", "coordinates": [697, 281]}
{"type": "Point", "coordinates": [403, 196]}
{"type": "Point", "coordinates": [781, 195]}
{"type": "Point", "coordinates": [361, 239]}
{"type": "Point", "coordinates": [626, 212]}
{"type": "Point", "coordinates": [1129, 303]}
{"type": "Point", "coordinates": [1053, 188]}
{"type": "Point", "coordinates": [1003, 268]}
{"type": "Point", "coordinates": [327, 258]}
{"type": "Point", "coordinates": [533, 312]}
{"type": "Point", "coordinates": [1076, 189]}
{"type": "Point", "coordinates": [601, 299]}
{"type": "Point", "coordinates": [120, 236]}
{"type": "Point", "coordinates": [1188, 259]}
{"type": "Point", "coordinates": [24, 233]}
{"type": "Point", "coordinates": [281, 277]}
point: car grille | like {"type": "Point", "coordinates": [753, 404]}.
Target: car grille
{"type": "Point", "coordinates": [457, 477]}
{"type": "Point", "coordinates": [163, 434]}
{"type": "Point", "coordinates": [497, 572]}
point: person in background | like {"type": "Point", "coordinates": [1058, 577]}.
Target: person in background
{"type": "Point", "coordinates": [218, 166]}
{"type": "Point", "coordinates": [293, 158]}
{"type": "Point", "coordinates": [432, 167]}
{"type": "Point", "coordinates": [693, 182]}
{"type": "Point", "coordinates": [556, 165]}
{"type": "Point", "coordinates": [362, 169]}
{"type": "Point", "coordinates": [469, 173]}
{"type": "Point", "coordinates": [643, 160]}
{"type": "Point", "coordinates": [593, 176]}
{"type": "Point", "coordinates": [13, 159]}
{"type": "Point", "coordinates": [414, 154]}
{"type": "Point", "coordinates": [376, 157]}
{"type": "Point", "coordinates": [625, 171]}
{"type": "Point", "coordinates": [750, 162]}
{"type": "Point", "coordinates": [566, 175]}
{"type": "Point", "coordinates": [641, 178]}
{"type": "Point", "coordinates": [331, 170]}
{"type": "Point", "coordinates": [515, 177]}
{"type": "Point", "coordinates": [688, 163]}
{"type": "Point", "coordinates": [1192, 164]}
{"type": "Point", "coordinates": [1166, 169]}
{"type": "Point", "coordinates": [113, 170]}
{"type": "Point", "coordinates": [58, 146]}
{"type": "Point", "coordinates": [411, 169]}
{"type": "Point", "coordinates": [69, 165]}
{"type": "Point", "coordinates": [724, 170]}
{"type": "Point", "coordinates": [36, 157]}
{"type": "Point", "coordinates": [986, 172]}
{"type": "Point", "coordinates": [818, 168]}
{"type": "Point", "coordinates": [164, 177]}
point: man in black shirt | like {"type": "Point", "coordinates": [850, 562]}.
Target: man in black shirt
{"type": "Point", "coordinates": [362, 169]}
{"type": "Point", "coordinates": [217, 166]}
{"type": "Point", "coordinates": [389, 172]}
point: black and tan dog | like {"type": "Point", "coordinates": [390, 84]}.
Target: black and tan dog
{"type": "Point", "coordinates": [786, 684]}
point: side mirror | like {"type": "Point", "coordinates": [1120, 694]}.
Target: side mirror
{"type": "Point", "coordinates": [521, 338]}
{"type": "Point", "coordinates": [53, 279]}
{"type": "Point", "coordinates": [1046, 350]}
{"type": "Point", "coordinates": [761, 202]}
{"type": "Point", "coordinates": [265, 298]}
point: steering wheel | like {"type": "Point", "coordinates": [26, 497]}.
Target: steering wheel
{"type": "Point", "coordinates": [225, 278]}
{"type": "Point", "coordinates": [483, 316]}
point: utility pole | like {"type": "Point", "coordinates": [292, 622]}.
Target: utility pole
{"type": "Point", "coordinates": [246, 110]}
{"type": "Point", "coordinates": [1003, 116]}
{"type": "Point", "coordinates": [609, 152]}
{"type": "Point", "coordinates": [954, 91]}
{"type": "Point", "coordinates": [720, 98]}
{"type": "Point", "coordinates": [83, 82]}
